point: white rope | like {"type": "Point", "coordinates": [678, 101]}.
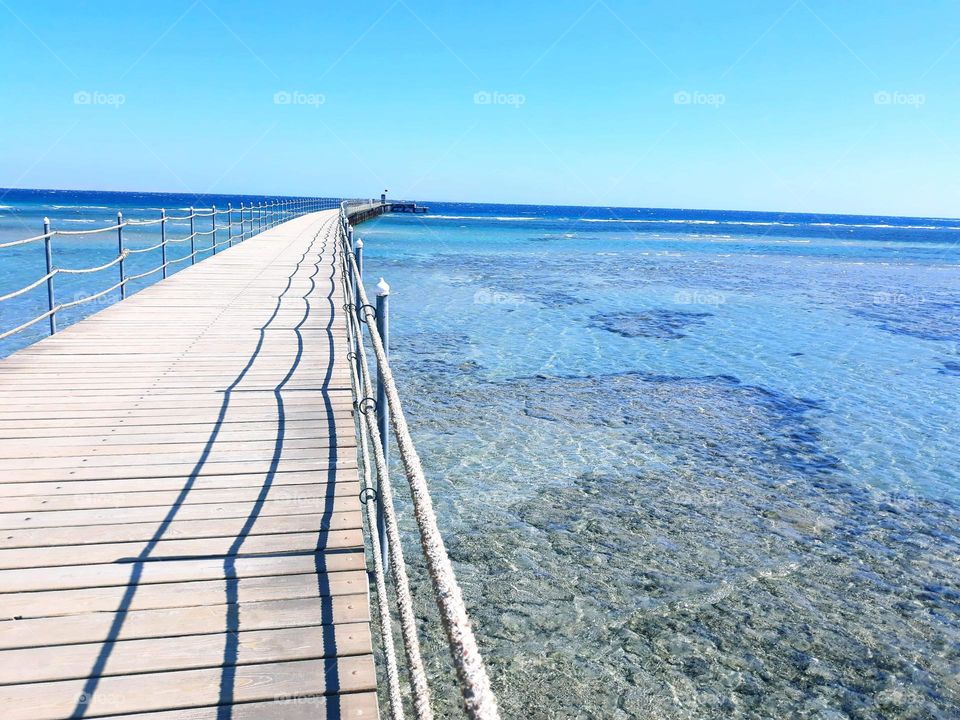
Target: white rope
{"type": "Point", "coordinates": [84, 271]}
{"type": "Point", "coordinates": [142, 223]}
{"type": "Point", "coordinates": [398, 567]}
{"type": "Point", "coordinates": [27, 324]}
{"type": "Point", "coordinates": [148, 272]}
{"type": "Point", "coordinates": [14, 243]}
{"type": "Point", "coordinates": [478, 698]}
{"type": "Point", "coordinates": [29, 287]}
{"type": "Point", "coordinates": [94, 231]}
{"type": "Point", "coordinates": [185, 257]}
{"type": "Point", "coordinates": [88, 298]}
{"type": "Point", "coordinates": [136, 251]}
{"type": "Point", "coordinates": [383, 600]}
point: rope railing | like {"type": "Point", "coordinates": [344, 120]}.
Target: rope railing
{"type": "Point", "coordinates": [479, 702]}
{"type": "Point", "coordinates": [253, 219]}
{"type": "Point", "coordinates": [420, 690]}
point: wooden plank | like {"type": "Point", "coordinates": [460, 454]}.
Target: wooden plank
{"type": "Point", "coordinates": [120, 422]}
{"type": "Point", "coordinates": [187, 688]}
{"type": "Point", "coordinates": [196, 496]}
{"type": "Point", "coordinates": [164, 513]}
{"type": "Point", "coordinates": [281, 543]}
{"type": "Point", "coordinates": [184, 621]}
{"type": "Point", "coordinates": [151, 655]}
{"type": "Point", "coordinates": [345, 470]}
{"type": "Point", "coordinates": [191, 593]}
{"type": "Point", "coordinates": [21, 453]}
{"type": "Point", "coordinates": [357, 706]}
{"type": "Point", "coordinates": [179, 470]}
{"type": "Point", "coordinates": [177, 529]}
{"type": "Point", "coordinates": [170, 571]}
{"type": "Point", "coordinates": [164, 434]}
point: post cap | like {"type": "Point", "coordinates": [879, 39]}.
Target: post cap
{"type": "Point", "coordinates": [382, 288]}
{"type": "Point", "coordinates": [46, 221]}
{"type": "Point", "coordinates": [359, 243]}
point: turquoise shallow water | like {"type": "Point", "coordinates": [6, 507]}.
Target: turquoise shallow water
{"type": "Point", "coordinates": [690, 470]}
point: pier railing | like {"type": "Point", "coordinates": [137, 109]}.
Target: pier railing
{"type": "Point", "coordinates": [377, 411]}
{"type": "Point", "coordinates": [210, 229]}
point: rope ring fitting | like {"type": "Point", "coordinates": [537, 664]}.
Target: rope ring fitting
{"type": "Point", "coordinates": [368, 494]}
{"type": "Point", "coordinates": [364, 406]}
{"type": "Point", "coordinates": [362, 315]}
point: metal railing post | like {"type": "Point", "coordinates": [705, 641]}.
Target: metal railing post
{"type": "Point", "coordinates": [123, 287]}
{"type": "Point", "coordinates": [193, 239]}
{"type": "Point", "coordinates": [213, 217]}
{"type": "Point", "coordinates": [383, 410]}
{"type": "Point", "coordinates": [229, 225]}
{"type": "Point", "coordinates": [358, 254]}
{"type": "Point", "coordinates": [48, 249]}
{"type": "Point", "coordinates": [243, 227]}
{"type": "Point", "coordinates": [163, 243]}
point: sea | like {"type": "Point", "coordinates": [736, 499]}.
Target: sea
{"type": "Point", "coordinates": [688, 463]}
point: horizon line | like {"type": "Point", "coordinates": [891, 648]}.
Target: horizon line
{"type": "Point", "coordinates": [5, 190]}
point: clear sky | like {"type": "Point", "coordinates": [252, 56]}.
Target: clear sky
{"type": "Point", "coordinates": [805, 105]}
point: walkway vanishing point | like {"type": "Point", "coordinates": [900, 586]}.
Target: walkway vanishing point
{"type": "Point", "coordinates": [181, 532]}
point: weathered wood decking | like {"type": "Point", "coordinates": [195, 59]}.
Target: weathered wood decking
{"type": "Point", "coordinates": [180, 533]}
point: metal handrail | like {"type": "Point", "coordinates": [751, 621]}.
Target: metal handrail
{"type": "Point", "coordinates": [479, 701]}
{"type": "Point", "coordinates": [253, 219]}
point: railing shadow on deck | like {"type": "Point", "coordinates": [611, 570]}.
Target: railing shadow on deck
{"type": "Point", "coordinates": [232, 628]}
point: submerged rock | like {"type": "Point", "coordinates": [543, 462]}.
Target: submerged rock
{"type": "Point", "coordinates": [636, 545]}
{"type": "Point", "coordinates": [660, 323]}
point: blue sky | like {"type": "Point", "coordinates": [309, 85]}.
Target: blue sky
{"type": "Point", "coordinates": [802, 105]}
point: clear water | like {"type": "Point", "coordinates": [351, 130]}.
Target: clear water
{"type": "Point", "coordinates": [690, 464]}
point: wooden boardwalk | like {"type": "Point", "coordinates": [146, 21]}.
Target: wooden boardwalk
{"type": "Point", "coordinates": [180, 533]}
